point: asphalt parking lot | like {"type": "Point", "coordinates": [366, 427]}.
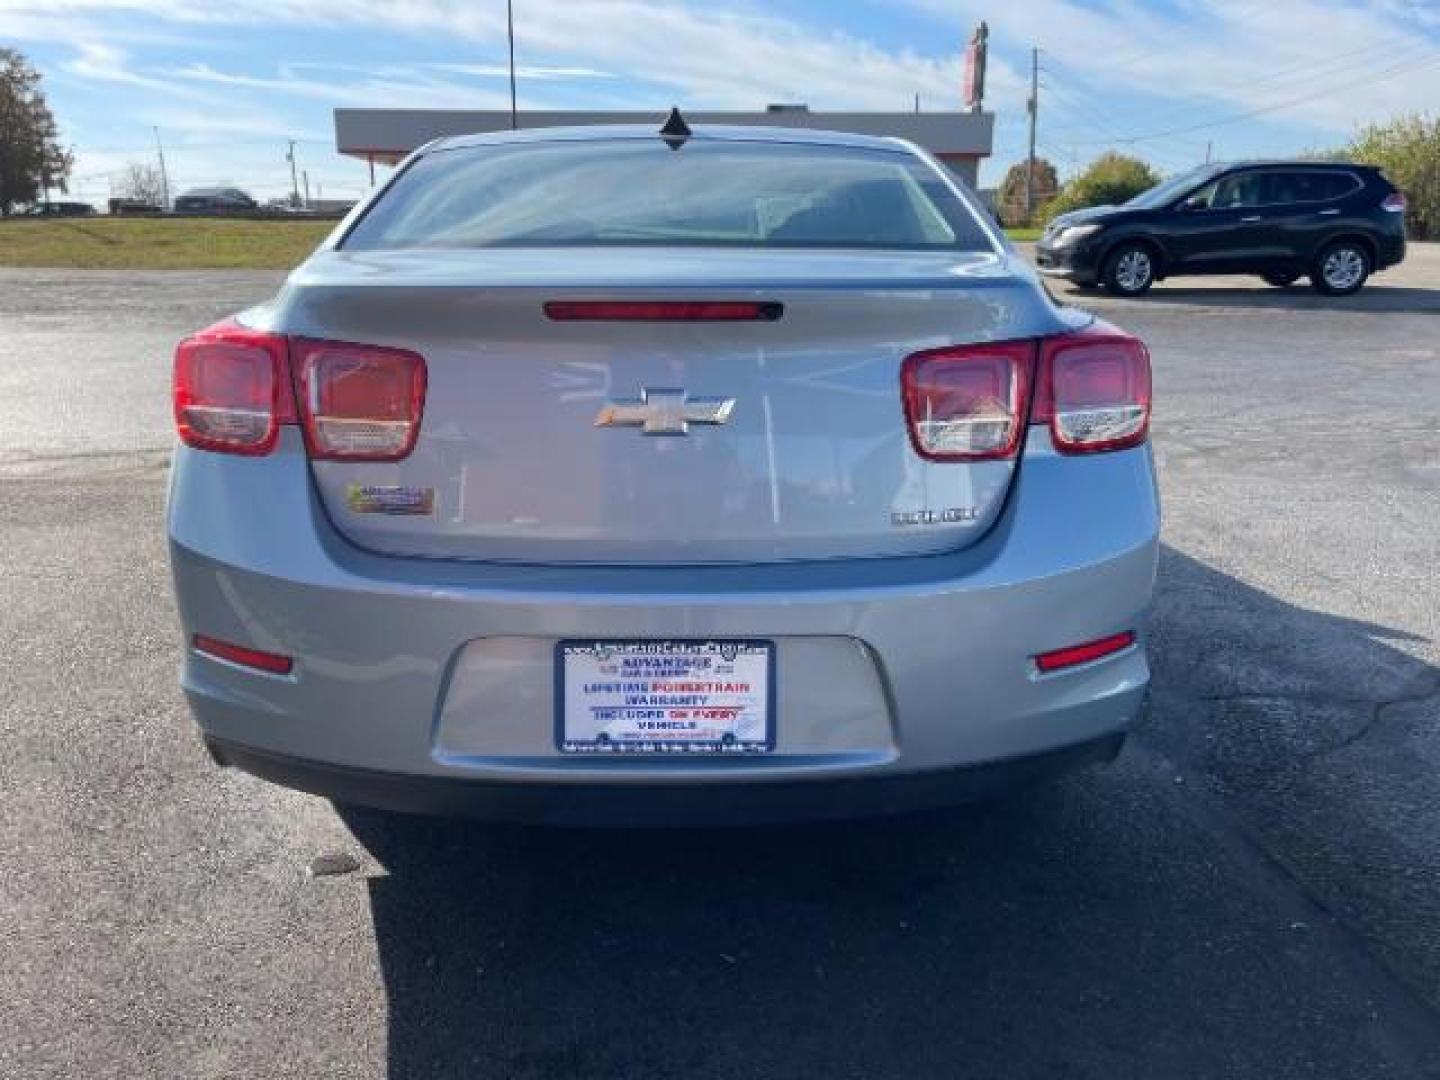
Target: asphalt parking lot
{"type": "Point", "coordinates": [1252, 890]}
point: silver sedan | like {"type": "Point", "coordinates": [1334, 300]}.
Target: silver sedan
{"type": "Point", "coordinates": [605, 475]}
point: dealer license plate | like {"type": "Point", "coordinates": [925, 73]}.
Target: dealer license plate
{"type": "Point", "coordinates": [665, 697]}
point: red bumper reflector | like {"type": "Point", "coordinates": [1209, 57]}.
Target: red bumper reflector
{"type": "Point", "coordinates": [1083, 654]}
{"type": "Point", "coordinates": [274, 663]}
{"type": "Point", "coordinates": [662, 311]}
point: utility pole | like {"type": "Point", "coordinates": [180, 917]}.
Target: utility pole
{"type": "Point", "coordinates": [917, 102]}
{"type": "Point", "coordinates": [510, 32]}
{"type": "Point", "coordinates": [306, 175]}
{"type": "Point", "coordinates": [164, 176]}
{"type": "Point", "coordinates": [1033, 107]}
{"type": "Point", "coordinates": [1209, 145]}
{"type": "Point", "coordinates": [294, 179]}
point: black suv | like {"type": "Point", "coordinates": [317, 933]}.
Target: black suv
{"type": "Point", "coordinates": [1280, 220]}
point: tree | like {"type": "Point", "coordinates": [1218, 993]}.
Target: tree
{"type": "Point", "coordinates": [31, 158]}
{"type": "Point", "coordinates": [140, 183]}
{"type": "Point", "coordinates": [1408, 149]}
{"type": "Point", "coordinates": [1109, 180]}
{"type": "Point", "coordinates": [1011, 197]}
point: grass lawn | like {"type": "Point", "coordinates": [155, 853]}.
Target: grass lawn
{"type": "Point", "coordinates": [159, 244]}
{"type": "Point", "coordinates": [178, 243]}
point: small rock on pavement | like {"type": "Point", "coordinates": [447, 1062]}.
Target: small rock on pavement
{"type": "Point", "coordinates": [332, 863]}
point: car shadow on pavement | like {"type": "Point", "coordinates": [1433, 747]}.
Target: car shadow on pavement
{"type": "Point", "coordinates": [1120, 923]}
{"type": "Point", "coordinates": [1372, 300]}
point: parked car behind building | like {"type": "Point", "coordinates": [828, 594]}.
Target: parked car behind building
{"type": "Point", "coordinates": [214, 201]}
{"type": "Point", "coordinates": [60, 209]}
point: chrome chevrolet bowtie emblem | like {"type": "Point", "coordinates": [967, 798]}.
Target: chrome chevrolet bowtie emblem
{"type": "Point", "coordinates": [665, 412]}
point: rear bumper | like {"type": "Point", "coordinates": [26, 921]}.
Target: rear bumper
{"type": "Point", "coordinates": [423, 685]}
{"type": "Point", "coordinates": [668, 804]}
{"type": "Point", "coordinates": [1390, 251]}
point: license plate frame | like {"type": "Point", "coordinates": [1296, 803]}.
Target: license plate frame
{"type": "Point", "coordinates": [732, 661]}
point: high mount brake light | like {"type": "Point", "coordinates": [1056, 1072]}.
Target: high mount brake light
{"type": "Point", "coordinates": [662, 311]}
{"type": "Point", "coordinates": [1093, 390]}
{"type": "Point", "coordinates": [232, 390]}
{"type": "Point", "coordinates": [967, 402]}
{"type": "Point", "coordinates": [358, 402]}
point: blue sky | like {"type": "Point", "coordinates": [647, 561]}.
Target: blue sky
{"type": "Point", "coordinates": [229, 84]}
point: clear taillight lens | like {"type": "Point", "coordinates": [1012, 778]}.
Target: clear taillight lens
{"type": "Point", "coordinates": [967, 403]}
{"type": "Point", "coordinates": [1394, 202]}
{"type": "Point", "coordinates": [232, 390]}
{"type": "Point", "coordinates": [359, 402]}
{"type": "Point", "coordinates": [1093, 390]}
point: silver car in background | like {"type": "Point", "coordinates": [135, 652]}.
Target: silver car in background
{"type": "Point", "coordinates": [590, 476]}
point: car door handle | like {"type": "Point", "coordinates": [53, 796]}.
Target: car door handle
{"type": "Point", "coordinates": [1330, 212]}
{"type": "Point", "coordinates": [1252, 217]}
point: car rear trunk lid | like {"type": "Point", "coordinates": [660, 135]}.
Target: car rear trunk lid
{"type": "Point", "coordinates": [515, 462]}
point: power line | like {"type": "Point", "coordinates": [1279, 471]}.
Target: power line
{"type": "Point", "coordinates": [1276, 107]}
{"type": "Point", "coordinates": [1092, 118]}
{"type": "Point", "coordinates": [1130, 57]}
{"type": "Point", "coordinates": [1410, 62]}
{"type": "Point", "coordinates": [1067, 105]}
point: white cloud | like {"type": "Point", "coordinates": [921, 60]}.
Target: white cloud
{"type": "Point", "coordinates": [1329, 64]}
{"type": "Point", "coordinates": [702, 56]}
{"type": "Point", "coordinates": [1127, 67]}
{"type": "Point", "coordinates": [413, 86]}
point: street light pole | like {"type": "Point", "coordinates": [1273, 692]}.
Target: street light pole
{"type": "Point", "coordinates": [295, 178]}
{"type": "Point", "coordinates": [510, 33]}
{"type": "Point", "coordinates": [164, 176]}
{"type": "Point", "coordinates": [1034, 108]}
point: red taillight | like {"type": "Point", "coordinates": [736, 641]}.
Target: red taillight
{"type": "Point", "coordinates": [232, 389]}
{"type": "Point", "coordinates": [1093, 390]}
{"type": "Point", "coordinates": [967, 402]}
{"type": "Point", "coordinates": [273, 663]}
{"type": "Point", "coordinates": [359, 402]}
{"type": "Point", "coordinates": [662, 311]}
{"type": "Point", "coordinates": [1083, 654]}
{"type": "Point", "coordinates": [1394, 202]}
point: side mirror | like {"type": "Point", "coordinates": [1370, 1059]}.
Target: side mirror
{"type": "Point", "coordinates": [1192, 204]}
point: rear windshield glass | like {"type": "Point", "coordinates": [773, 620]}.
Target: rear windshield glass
{"type": "Point", "coordinates": [638, 191]}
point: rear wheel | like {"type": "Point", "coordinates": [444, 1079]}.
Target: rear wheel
{"type": "Point", "coordinates": [1129, 271]}
{"type": "Point", "coordinates": [1280, 280]}
{"type": "Point", "coordinates": [1341, 269]}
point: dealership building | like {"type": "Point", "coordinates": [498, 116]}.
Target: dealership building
{"type": "Point", "coordinates": [385, 136]}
